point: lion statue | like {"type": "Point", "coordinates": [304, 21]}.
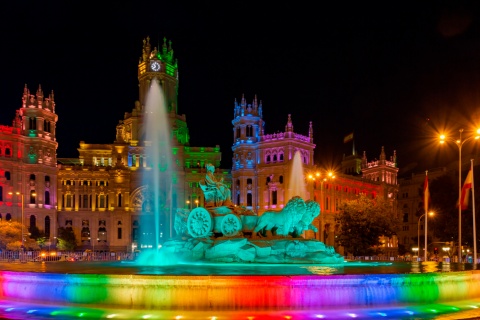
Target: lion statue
{"type": "Point", "coordinates": [312, 211]}
{"type": "Point", "coordinates": [283, 221]}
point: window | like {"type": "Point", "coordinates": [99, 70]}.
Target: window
{"type": "Point", "coordinates": [249, 181]}
{"type": "Point", "coordinates": [32, 123]}
{"type": "Point", "coordinates": [7, 152]}
{"type": "Point", "coordinates": [85, 201]}
{"type": "Point", "coordinates": [32, 196]}
{"type": "Point", "coordinates": [46, 126]}
{"type": "Point", "coordinates": [249, 199]}
{"type": "Point", "coordinates": [405, 217]}
{"type": "Point", "coordinates": [274, 197]}
{"type": "Point", "coordinates": [119, 233]}
{"type": "Point", "coordinates": [47, 197]}
{"type": "Point", "coordinates": [119, 204]}
{"type": "Point", "coordinates": [33, 222]}
{"type": "Point", "coordinates": [47, 226]}
{"type": "Point", "coordinates": [68, 203]}
{"type": "Point", "coordinates": [135, 231]}
{"type": "Point", "coordinates": [280, 179]}
{"type": "Point", "coordinates": [1, 193]}
{"type": "Point", "coordinates": [8, 217]}
{"type": "Point", "coordinates": [281, 156]}
{"type": "Point", "coordinates": [268, 159]}
{"type": "Point", "coordinates": [7, 175]}
{"type": "Point", "coordinates": [249, 131]}
{"type": "Point", "coordinates": [102, 231]}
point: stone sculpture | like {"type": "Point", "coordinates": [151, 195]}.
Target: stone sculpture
{"type": "Point", "coordinates": [215, 191]}
{"type": "Point", "coordinates": [223, 232]}
{"type": "Point", "coordinates": [282, 221]}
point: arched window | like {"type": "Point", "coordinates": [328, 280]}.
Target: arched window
{"type": "Point", "coordinates": [7, 175]}
{"type": "Point", "coordinates": [8, 217]}
{"type": "Point", "coordinates": [119, 203]}
{"type": "Point", "coordinates": [281, 156]}
{"type": "Point", "coordinates": [274, 197]}
{"type": "Point", "coordinates": [1, 193]}
{"type": "Point", "coordinates": [268, 159]}
{"type": "Point", "coordinates": [274, 158]}
{"type": "Point", "coordinates": [280, 179]}
{"type": "Point", "coordinates": [8, 152]}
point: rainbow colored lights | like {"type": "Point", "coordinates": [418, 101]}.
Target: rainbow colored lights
{"type": "Point", "coordinates": [248, 297]}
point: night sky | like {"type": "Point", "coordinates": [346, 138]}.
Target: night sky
{"type": "Point", "coordinates": [395, 73]}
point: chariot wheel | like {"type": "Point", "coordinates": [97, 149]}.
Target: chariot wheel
{"type": "Point", "coordinates": [199, 223]}
{"type": "Point", "coordinates": [231, 225]}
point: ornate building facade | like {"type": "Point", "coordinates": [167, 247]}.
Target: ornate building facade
{"type": "Point", "coordinates": [100, 194]}
{"type": "Point", "coordinates": [28, 164]}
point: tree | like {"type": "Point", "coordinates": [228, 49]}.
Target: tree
{"type": "Point", "coordinates": [66, 239]}
{"type": "Point", "coordinates": [363, 221]}
{"type": "Point", "coordinates": [10, 235]}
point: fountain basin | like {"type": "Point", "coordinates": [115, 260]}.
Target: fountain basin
{"type": "Point", "coordinates": [241, 292]}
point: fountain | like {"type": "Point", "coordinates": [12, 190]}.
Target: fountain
{"type": "Point", "coordinates": [226, 262]}
{"type": "Point", "coordinates": [157, 177]}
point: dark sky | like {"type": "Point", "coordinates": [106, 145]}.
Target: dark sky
{"type": "Point", "coordinates": [394, 72]}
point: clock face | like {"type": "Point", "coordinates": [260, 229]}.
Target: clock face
{"type": "Point", "coordinates": [155, 66]}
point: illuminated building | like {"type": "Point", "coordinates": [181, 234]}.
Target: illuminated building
{"type": "Point", "coordinates": [100, 194]}
{"type": "Point", "coordinates": [28, 164]}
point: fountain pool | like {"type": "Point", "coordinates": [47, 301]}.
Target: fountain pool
{"type": "Point", "coordinates": [96, 290]}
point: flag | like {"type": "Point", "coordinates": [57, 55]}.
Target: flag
{"type": "Point", "coordinates": [426, 194]}
{"type": "Point", "coordinates": [467, 185]}
{"type": "Point", "coordinates": [348, 137]}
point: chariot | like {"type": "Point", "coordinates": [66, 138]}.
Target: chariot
{"type": "Point", "coordinates": [203, 223]}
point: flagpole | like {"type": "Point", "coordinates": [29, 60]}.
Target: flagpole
{"type": "Point", "coordinates": [426, 198]}
{"type": "Point", "coordinates": [473, 214]}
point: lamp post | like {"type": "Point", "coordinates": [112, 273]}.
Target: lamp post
{"type": "Point", "coordinates": [196, 201]}
{"type": "Point", "coordinates": [418, 236]}
{"type": "Point", "coordinates": [459, 144]}
{"type": "Point", "coordinates": [314, 177]}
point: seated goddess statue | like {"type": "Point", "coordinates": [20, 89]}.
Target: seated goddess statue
{"type": "Point", "coordinates": [215, 191]}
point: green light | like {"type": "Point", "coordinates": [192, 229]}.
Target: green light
{"type": "Point", "coordinates": [170, 70]}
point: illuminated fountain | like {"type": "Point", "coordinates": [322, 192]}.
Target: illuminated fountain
{"type": "Point", "coordinates": [157, 178]}
{"type": "Point", "coordinates": [232, 276]}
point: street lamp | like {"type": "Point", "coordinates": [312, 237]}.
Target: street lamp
{"type": "Point", "coordinates": [196, 201]}
{"type": "Point", "coordinates": [418, 236]}
{"type": "Point", "coordinates": [313, 177]}
{"type": "Point", "coordinates": [459, 144]}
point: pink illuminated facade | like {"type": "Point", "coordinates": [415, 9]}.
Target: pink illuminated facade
{"type": "Point", "coordinates": [28, 164]}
